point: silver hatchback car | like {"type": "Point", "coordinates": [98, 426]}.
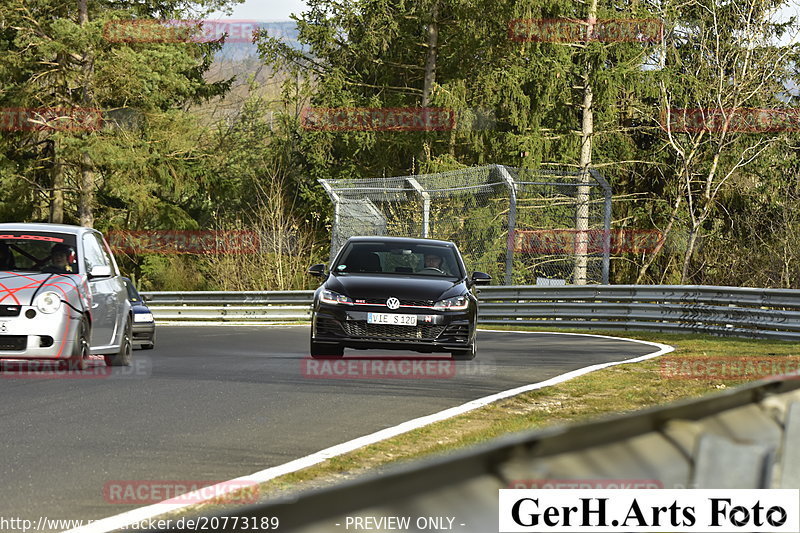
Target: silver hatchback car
{"type": "Point", "coordinates": [61, 296]}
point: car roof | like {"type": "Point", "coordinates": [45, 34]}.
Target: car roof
{"type": "Point", "coordinates": [399, 240]}
{"type": "Point", "coordinates": [55, 228]}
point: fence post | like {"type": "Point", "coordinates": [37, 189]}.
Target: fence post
{"type": "Point", "coordinates": [512, 222]}
{"type": "Point", "coordinates": [426, 205]}
{"type": "Point", "coordinates": [606, 224]}
{"type": "Point", "coordinates": [335, 199]}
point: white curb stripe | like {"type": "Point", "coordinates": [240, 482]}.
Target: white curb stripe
{"type": "Point", "coordinates": [145, 513]}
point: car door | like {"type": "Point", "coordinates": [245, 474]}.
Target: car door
{"type": "Point", "coordinates": [105, 291]}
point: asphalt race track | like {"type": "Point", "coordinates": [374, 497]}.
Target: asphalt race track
{"type": "Point", "coordinates": [214, 403]}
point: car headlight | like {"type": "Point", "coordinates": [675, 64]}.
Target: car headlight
{"type": "Point", "coordinates": [457, 303]}
{"type": "Point", "coordinates": [330, 297]}
{"type": "Point", "coordinates": [143, 317]}
{"type": "Point", "coordinates": [48, 302]}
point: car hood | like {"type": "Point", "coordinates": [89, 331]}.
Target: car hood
{"type": "Point", "coordinates": [359, 286]}
{"type": "Point", "coordinates": [20, 288]}
{"type": "Point", "coordinates": [140, 308]}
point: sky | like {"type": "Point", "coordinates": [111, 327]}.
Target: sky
{"type": "Point", "coordinates": [278, 10]}
{"type": "Point", "coordinates": [267, 10]}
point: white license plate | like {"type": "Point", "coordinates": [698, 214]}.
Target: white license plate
{"type": "Point", "coordinates": [389, 318]}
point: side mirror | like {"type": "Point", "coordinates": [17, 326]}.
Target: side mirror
{"type": "Point", "coordinates": [100, 271]}
{"type": "Point", "coordinates": [481, 278]}
{"type": "Point", "coordinates": [316, 270]}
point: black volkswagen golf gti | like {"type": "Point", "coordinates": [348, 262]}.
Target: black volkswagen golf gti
{"type": "Point", "coordinates": [395, 293]}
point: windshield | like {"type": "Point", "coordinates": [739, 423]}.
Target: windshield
{"type": "Point", "coordinates": [30, 251]}
{"type": "Point", "coordinates": [133, 294]}
{"type": "Point", "coordinates": [400, 259]}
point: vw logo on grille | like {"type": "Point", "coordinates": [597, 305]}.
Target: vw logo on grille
{"type": "Point", "coordinates": [393, 303]}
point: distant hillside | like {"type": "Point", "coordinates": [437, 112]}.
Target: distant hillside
{"type": "Point", "coordinates": [237, 51]}
{"type": "Point", "coordinates": [240, 60]}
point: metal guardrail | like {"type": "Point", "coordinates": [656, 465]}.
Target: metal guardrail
{"type": "Point", "coordinates": [735, 311]}
{"type": "Point", "coordinates": [221, 298]}
{"type": "Point", "coordinates": [743, 438]}
{"type": "Point", "coordinates": [241, 306]}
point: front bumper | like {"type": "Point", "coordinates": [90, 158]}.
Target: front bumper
{"type": "Point", "coordinates": [143, 333]}
{"type": "Point", "coordinates": [436, 331]}
{"type": "Point", "coordinates": [45, 336]}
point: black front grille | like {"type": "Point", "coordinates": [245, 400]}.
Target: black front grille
{"type": "Point", "coordinates": [457, 332]}
{"type": "Point", "coordinates": [360, 329]}
{"type": "Point", "coordinates": [328, 327]}
{"type": "Point", "coordinates": [9, 310]}
{"type": "Point", "coordinates": [13, 342]}
{"type": "Point", "coordinates": [415, 303]}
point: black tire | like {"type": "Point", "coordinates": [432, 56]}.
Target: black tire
{"type": "Point", "coordinates": [80, 347]}
{"type": "Point", "coordinates": [465, 355]}
{"type": "Point", "coordinates": [125, 354]}
{"type": "Point", "coordinates": [326, 351]}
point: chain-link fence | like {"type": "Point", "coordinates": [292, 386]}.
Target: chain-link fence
{"type": "Point", "coordinates": [521, 226]}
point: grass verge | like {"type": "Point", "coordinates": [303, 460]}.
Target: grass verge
{"type": "Point", "coordinates": [618, 389]}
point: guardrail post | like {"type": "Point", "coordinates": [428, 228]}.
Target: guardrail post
{"type": "Point", "coordinates": [790, 461]}
{"type": "Point", "coordinates": [724, 464]}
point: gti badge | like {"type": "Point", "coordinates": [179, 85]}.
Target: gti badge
{"type": "Point", "coordinates": [393, 303]}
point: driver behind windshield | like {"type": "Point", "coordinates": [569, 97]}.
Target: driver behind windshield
{"type": "Point", "coordinates": [6, 257]}
{"type": "Point", "coordinates": [433, 262]}
{"type": "Point", "coordinates": [59, 260]}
